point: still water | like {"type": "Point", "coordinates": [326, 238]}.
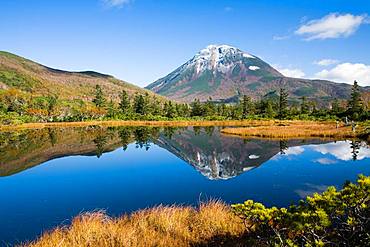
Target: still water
{"type": "Point", "coordinates": [48, 176]}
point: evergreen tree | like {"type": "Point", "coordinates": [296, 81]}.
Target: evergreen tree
{"type": "Point", "coordinates": [52, 102]}
{"type": "Point", "coordinates": [246, 106]}
{"type": "Point", "coordinates": [124, 103]}
{"type": "Point", "coordinates": [139, 104]}
{"type": "Point", "coordinates": [283, 103]}
{"type": "Point", "coordinates": [99, 99]}
{"type": "Point", "coordinates": [209, 108]}
{"type": "Point", "coordinates": [335, 107]}
{"type": "Point", "coordinates": [111, 109]}
{"type": "Point", "coordinates": [269, 111]}
{"type": "Point", "coordinates": [304, 106]}
{"type": "Point", "coordinates": [169, 110]}
{"type": "Point", "coordinates": [355, 104]}
{"type": "Point", "coordinates": [196, 108]}
{"type": "Point", "coordinates": [156, 107]}
{"type": "Point", "coordinates": [147, 106]}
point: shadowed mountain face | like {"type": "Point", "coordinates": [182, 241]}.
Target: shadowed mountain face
{"type": "Point", "coordinates": [224, 73]}
{"type": "Point", "coordinates": [214, 155]}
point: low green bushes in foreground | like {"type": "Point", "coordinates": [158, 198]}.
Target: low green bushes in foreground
{"type": "Point", "coordinates": [333, 218]}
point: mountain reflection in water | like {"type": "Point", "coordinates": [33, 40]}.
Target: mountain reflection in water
{"type": "Point", "coordinates": [48, 176]}
{"type": "Point", "coordinates": [214, 155]}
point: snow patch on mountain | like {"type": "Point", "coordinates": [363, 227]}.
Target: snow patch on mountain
{"type": "Point", "coordinates": [216, 58]}
{"type": "Point", "coordinates": [253, 67]}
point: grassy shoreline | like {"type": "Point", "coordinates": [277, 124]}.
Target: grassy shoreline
{"type": "Point", "coordinates": [272, 129]}
{"type": "Point", "coordinates": [113, 123]}
{"type": "Point", "coordinates": [169, 123]}
{"type": "Point", "coordinates": [297, 130]}
{"type": "Point", "coordinates": [211, 222]}
{"type": "Point", "coordinates": [331, 218]}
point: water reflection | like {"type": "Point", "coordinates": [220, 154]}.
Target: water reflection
{"type": "Point", "coordinates": [50, 175]}
{"type": "Point", "coordinates": [214, 155]}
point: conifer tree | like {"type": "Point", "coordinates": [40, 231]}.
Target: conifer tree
{"type": "Point", "coordinates": [99, 99]}
{"type": "Point", "coordinates": [139, 104]}
{"type": "Point", "coordinates": [304, 106]}
{"type": "Point", "coordinates": [246, 106]}
{"type": "Point", "coordinates": [355, 104]}
{"type": "Point", "coordinates": [283, 103]}
{"type": "Point", "coordinates": [124, 103]}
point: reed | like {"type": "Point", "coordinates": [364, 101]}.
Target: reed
{"type": "Point", "coordinates": [159, 226]}
{"type": "Point", "coordinates": [296, 130]}
{"type": "Point", "coordinates": [177, 123]}
{"type": "Point", "coordinates": [169, 123]}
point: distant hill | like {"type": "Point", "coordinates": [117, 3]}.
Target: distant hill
{"type": "Point", "coordinates": [23, 74]}
{"type": "Point", "coordinates": [225, 73]}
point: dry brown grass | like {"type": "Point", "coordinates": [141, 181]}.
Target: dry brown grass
{"type": "Point", "coordinates": [211, 223]}
{"type": "Point", "coordinates": [179, 123]}
{"type": "Point", "coordinates": [293, 129]}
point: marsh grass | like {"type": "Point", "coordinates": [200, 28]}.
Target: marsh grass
{"type": "Point", "coordinates": [210, 223]}
{"type": "Point", "coordinates": [114, 123]}
{"type": "Point", "coordinates": [296, 130]}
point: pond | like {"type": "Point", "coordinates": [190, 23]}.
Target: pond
{"type": "Point", "coordinates": [48, 176]}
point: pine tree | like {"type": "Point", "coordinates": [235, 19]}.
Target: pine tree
{"type": "Point", "coordinates": [283, 103]}
{"type": "Point", "coordinates": [156, 107]}
{"type": "Point", "coordinates": [209, 108]}
{"type": "Point", "coordinates": [196, 108]}
{"type": "Point", "coordinates": [355, 104]}
{"type": "Point", "coordinates": [269, 111]}
{"type": "Point", "coordinates": [147, 107]}
{"type": "Point", "coordinates": [246, 106]}
{"type": "Point", "coordinates": [124, 103]}
{"type": "Point", "coordinates": [169, 110]}
{"type": "Point", "coordinates": [139, 104]}
{"type": "Point", "coordinates": [99, 99]}
{"type": "Point", "coordinates": [335, 107]}
{"type": "Point", "coordinates": [111, 109]}
{"type": "Point", "coordinates": [52, 102]}
{"type": "Point", "coordinates": [304, 106]}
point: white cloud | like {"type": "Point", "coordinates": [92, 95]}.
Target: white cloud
{"type": "Point", "coordinates": [347, 73]}
{"type": "Point", "coordinates": [116, 3]}
{"type": "Point", "coordinates": [342, 150]}
{"type": "Point", "coordinates": [333, 25]}
{"type": "Point", "coordinates": [296, 73]}
{"type": "Point", "coordinates": [326, 62]}
{"type": "Point", "coordinates": [294, 150]}
{"type": "Point", "coordinates": [325, 161]}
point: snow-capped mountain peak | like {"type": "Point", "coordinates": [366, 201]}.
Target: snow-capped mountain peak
{"type": "Point", "coordinates": [219, 58]}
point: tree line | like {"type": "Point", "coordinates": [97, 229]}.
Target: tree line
{"type": "Point", "coordinates": [17, 106]}
{"type": "Point", "coordinates": [146, 105]}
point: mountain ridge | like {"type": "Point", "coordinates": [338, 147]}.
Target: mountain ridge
{"type": "Point", "coordinates": [222, 72]}
{"type": "Point", "coordinates": [26, 75]}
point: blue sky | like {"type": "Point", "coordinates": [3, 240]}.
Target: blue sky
{"type": "Point", "coordinates": [142, 40]}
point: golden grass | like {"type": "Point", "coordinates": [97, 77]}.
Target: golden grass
{"type": "Point", "coordinates": [179, 123]}
{"type": "Point", "coordinates": [296, 130]}
{"type": "Point", "coordinates": [212, 222]}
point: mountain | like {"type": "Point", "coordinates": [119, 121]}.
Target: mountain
{"type": "Point", "coordinates": [221, 157]}
{"type": "Point", "coordinates": [224, 73]}
{"type": "Point", "coordinates": [36, 79]}
{"type": "Point", "coordinates": [25, 149]}
{"type": "Point", "coordinates": [215, 156]}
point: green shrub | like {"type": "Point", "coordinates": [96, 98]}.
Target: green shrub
{"type": "Point", "coordinates": [333, 218]}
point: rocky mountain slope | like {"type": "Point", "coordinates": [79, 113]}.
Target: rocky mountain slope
{"type": "Point", "coordinates": [224, 73]}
